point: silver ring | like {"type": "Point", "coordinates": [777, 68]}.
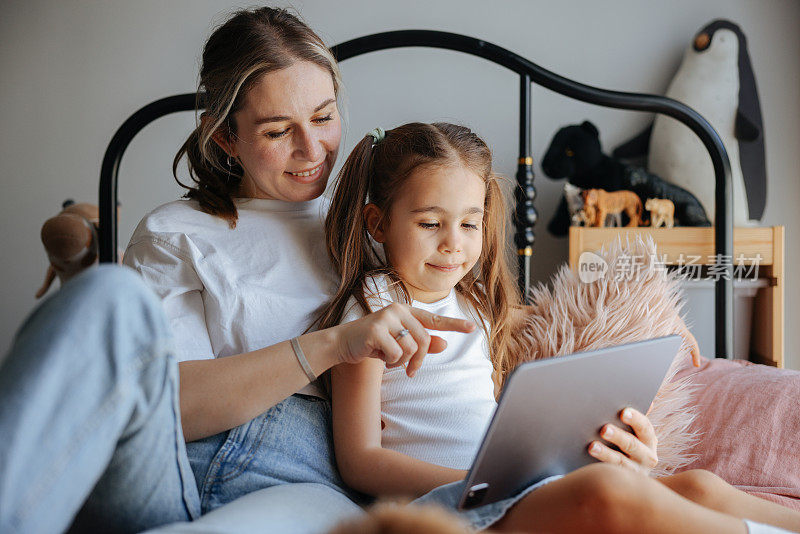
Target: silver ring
{"type": "Point", "coordinates": [402, 333]}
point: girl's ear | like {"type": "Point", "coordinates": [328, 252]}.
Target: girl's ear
{"type": "Point", "coordinates": [373, 218]}
{"type": "Point", "coordinates": [222, 136]}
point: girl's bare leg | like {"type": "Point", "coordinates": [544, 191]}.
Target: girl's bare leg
{"type": "Point", "coordinates": [607, 498]}
{"type": "Point", "coordinates": [706, 488]}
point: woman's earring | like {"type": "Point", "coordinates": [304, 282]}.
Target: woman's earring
{"type": "Point", "coordinates": [228, 177]}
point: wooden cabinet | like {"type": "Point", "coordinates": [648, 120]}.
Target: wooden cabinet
{"type": "Point", "coordinates": [764, 243]}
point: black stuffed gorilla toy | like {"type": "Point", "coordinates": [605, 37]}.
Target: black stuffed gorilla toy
{"type": "Point", "coordinates": [575, 154]}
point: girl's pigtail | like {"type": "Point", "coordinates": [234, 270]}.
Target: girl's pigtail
{"type": "Point", "coordinates": [500, 291]}
{"type": "Point", "coordinates": [348, 242]}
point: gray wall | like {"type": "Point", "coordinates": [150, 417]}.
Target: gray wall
{"type": "Point", "coordinates": [73, 71]}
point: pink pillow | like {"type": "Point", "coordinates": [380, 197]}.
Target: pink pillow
{"type": "Point", "coordinates": [748, 422]}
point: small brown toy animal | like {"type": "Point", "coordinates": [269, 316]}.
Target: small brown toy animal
{"type": "Point", "coordinates": [399, 518]}
{"type": "Point", "coordinates": [581, 219]}
{"type": "Point", "coordinates": [70, 239]}
{"type": "Point", "coordinates": [598, 204]}
{"type": "Point", "coordinates": [662, 211]}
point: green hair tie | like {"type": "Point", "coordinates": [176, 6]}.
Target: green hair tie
{"type": "Point", "coordinates": [377, 135]}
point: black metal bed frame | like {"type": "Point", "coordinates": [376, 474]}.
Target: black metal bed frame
{"type": "Point", "coordinates": [525, 214]}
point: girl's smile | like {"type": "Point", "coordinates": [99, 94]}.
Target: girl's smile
{"type": "Point", "coordinates": [433, 234]}
{"type": "Point", "coordinates": [444, 268]}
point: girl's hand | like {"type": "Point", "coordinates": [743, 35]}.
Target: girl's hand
{"type": "Point", "coordinates": [396, 334]}
{"type": "Point", "coordinates": [637, 452]}
{"type": "Point", "coordinates": [689, 338]}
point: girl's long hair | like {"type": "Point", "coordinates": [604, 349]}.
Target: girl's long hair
{"type": "Point", "coordinates": [374, 173]}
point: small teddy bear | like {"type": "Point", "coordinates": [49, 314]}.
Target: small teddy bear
{"type": "Point", "coordinates": [70, 240]}
{"type": "Point", "coordinates": [400, 517]}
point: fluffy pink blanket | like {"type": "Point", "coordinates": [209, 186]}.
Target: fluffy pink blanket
{"type": "Point", "coordinates": [749, 427]}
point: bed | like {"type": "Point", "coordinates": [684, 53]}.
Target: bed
{"type": "Point", "coordinates": [735, 382]}
{"type": "Point", "coordinates": [525, 213]}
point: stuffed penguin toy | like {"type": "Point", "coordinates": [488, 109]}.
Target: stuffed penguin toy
{"type": "Point", "coordinates": [716, 80]}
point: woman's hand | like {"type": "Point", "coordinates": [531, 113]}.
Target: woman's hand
{"type": "Point", "coordinates": [637, 452]}
{"type": "Point", "coordinates": [396, 334]}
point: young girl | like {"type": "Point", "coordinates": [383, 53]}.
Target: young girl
{"type": "Point", "coordinates": [418, 219]}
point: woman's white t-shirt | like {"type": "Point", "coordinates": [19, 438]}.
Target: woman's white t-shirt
{"type": "Point", "coordinates": [441, 414]}
{"type": "Point", "coordinates": [228, 291]}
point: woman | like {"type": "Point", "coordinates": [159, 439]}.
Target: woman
{"type": "Point", "coordinates": [239, 269]}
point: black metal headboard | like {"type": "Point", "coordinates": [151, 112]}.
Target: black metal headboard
{"type": "Point", "coordinates": [525, 214]}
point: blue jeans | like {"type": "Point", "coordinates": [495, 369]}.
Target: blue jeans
{"type": "Point", "coordinates": [481, 517]}
{"type": "Point", "coordinates": [290, 443]}
{"type": "Point", "coordinates": [90, 421]}
{"type": "Point", "coordinates": [89, 413]}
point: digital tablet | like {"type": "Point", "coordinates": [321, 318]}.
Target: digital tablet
{"type": "Point", "coordinates": [550, 410]}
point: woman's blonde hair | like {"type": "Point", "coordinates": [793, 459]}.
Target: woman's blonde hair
{"type": "Point", "coordinates": [375, 173]}
{"type": "Point", "coordinates": [248, 45]}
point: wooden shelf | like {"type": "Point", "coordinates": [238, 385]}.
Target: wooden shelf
{"type": "Point", "coordinates": [677, 244]}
